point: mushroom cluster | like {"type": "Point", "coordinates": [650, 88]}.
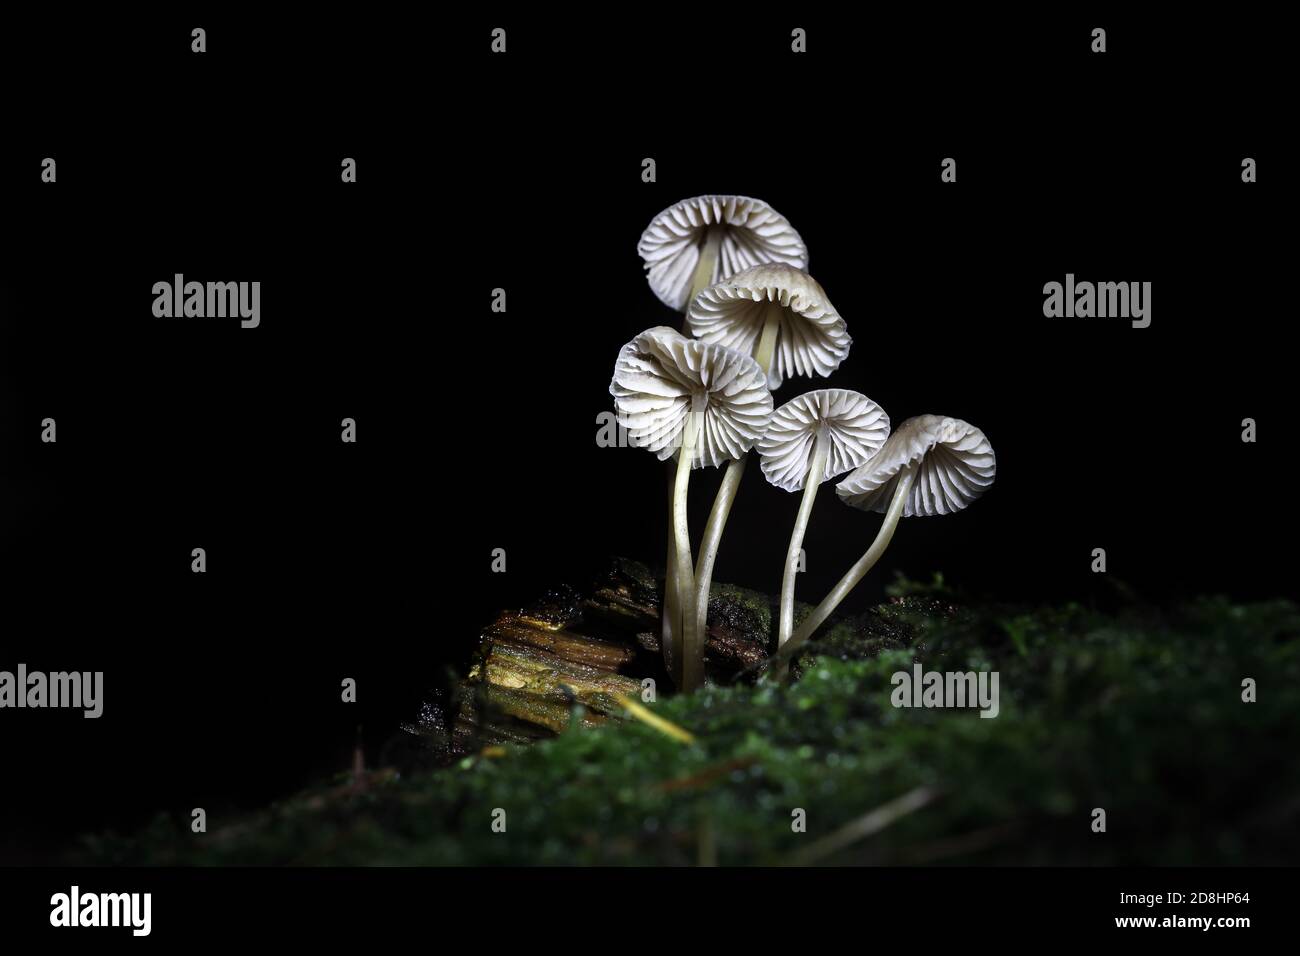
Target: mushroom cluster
{"type": "Point", "coordinates": [702, 397]}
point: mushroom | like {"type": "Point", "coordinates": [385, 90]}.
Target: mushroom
{"type": "Point", "coordinates": [696, 242]}
{"type": "Point", "coordinates": [782, 317]}
{"type": "Point", "coordinates": [778, 314]}
{"type": "Point", "coordinates": [710, 403]}
{"type": "Point", "coordinates": [813, 438]}
{"type": "Point", "coordinates": [688, 247]}
{"type": "Point", "coordinates": [930, 465]}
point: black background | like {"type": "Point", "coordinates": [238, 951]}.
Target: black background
{"type": "Point", "coordinates": [477, 430]}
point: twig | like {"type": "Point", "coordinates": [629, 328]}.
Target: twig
{"type": "Point", "coordinates": [707, 776]}
{"type": "Point", "coordinates": [963, 845]}
{"type": "Point", "coordinates": [864, 826]}
{"type": "Point", "coordinates": [645, 715]}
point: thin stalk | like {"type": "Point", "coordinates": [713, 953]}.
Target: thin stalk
{"type": "Point", "coordinates": [670, 639]}
{"type": "Point", "coordinates": [859, 570]}
{"type": "Point", "coordinates": [692, 656]}
{"type": "Point", "coordinates": [702, 277]}
{"type": "Point", "coordinates": [673, 628]}
{"type": "Point", "coordinates": [726, 495]}
{"type": "Point", "coordinates": [712, 538]}
{"type": "Point", "coordinates": [821, 446]}
{"type": "Point", "coordinates": [766, 347]}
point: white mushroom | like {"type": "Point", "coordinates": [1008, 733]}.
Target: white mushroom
{"type": "Point", "coordinates": [710, 404]}
{"type": "Point", "coordinates": [950, 463]}
{"type": "Point", "coordinates": [812, 439]}
{"type": "Point", "coordinates": [697, 242]}
{"type": "Point", "coordinates": [688, 247]}
{"type": "Point", "coordinates": [930, 465]}
{"type": "Point", "coordinates": [783, 318]}
{"type": "Point", "coordinates": [776, 313]}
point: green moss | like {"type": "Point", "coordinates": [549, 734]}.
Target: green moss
{"type": "Point", "coordinates": [743, 610]}
{"type": "Point", "coordinates": [1137, 711]}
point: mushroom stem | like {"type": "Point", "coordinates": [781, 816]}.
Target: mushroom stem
{"type": "Point", "coordinates": [902, 488]}
{"type": "Point", "coordinates": [816, 467]}
{"type": "Point", "coordinates": [692, 657]}
{"type": "Point", "coordinates": [712, 539]}
{"type": "Point", "coordinates": [671, 631]}
{"type": "Point", "coordinates": [726, 496]}
{"type": "Point", "coordinates": [702, 277]}
{"type": "Point", "coordinates": [763, 352]}
{"type": "Point", "coordinates": [672, 634]}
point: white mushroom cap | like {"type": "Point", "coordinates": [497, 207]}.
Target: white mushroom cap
{"type": "Point", "coordinates": [662, 375]}
{"type": "Point", "coordinates": [755, 232]}
{"type": "Point", "coordinates": [812, 337]}
{"type": "Point", "coordinates": [954, 465]}
{"type": "Point", "coordinates": [854, 425]}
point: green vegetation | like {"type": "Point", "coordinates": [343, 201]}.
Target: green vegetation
{"type": "Point", "coordinates": [1137, 710]}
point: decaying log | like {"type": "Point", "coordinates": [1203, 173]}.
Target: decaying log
{"type": "Point", "coordinates": [562, 661]}
{"type": "Point", "coordinates": [627, 596]}
{"type": "Point", "coordinates": [533, 709]}
{"type": "Point", "coordinates": [577, 648]}
{"type": "Point", "coordinates": [522, 667]}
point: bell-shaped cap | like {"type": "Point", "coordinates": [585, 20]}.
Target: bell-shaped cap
{"type": "Point", "coordinates": [953, 460]}
{"type": "Point", "coordinates": [753, 232]}
{"type": "Point", "coordinates": [853, 424]}
{"type": "Point", "coordinates": [811, 337]}
{"type": "Point", "coordinates": [662, 376]}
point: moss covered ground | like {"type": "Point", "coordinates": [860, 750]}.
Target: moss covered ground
{"type": "Point", "coordinates": [1134, 709]}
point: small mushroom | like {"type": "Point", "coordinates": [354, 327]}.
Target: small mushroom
{"type": "Point", "coordinates": [813, 438]}
{"type": "Point", "coordinates": [696, 242]}
{"type": "Point", "coordinates": [689, 246]}
{"type": "Point", "coordinates": [930, 465]}
{"type": "Point", "coordinates": [709, 405]}
{"type": "Point", "coordinates": [778, 314]}
{"type": "Point", "coordinates": [782, 317]}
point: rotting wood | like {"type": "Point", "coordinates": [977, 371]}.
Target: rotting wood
{"type": "Point", "coordinates": [536, 664]}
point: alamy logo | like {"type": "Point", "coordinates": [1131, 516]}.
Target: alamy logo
{"type": "Point", "coordinates": [950, 689]}
{"type": "Point", "coordinates": [208, 300]}
{"type": "Point", "coordinates": [103, 909]}
{"type": "Point", "coordinates": [1102, 300]}
{"type": "Point", "coordinates": [76, 690]}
